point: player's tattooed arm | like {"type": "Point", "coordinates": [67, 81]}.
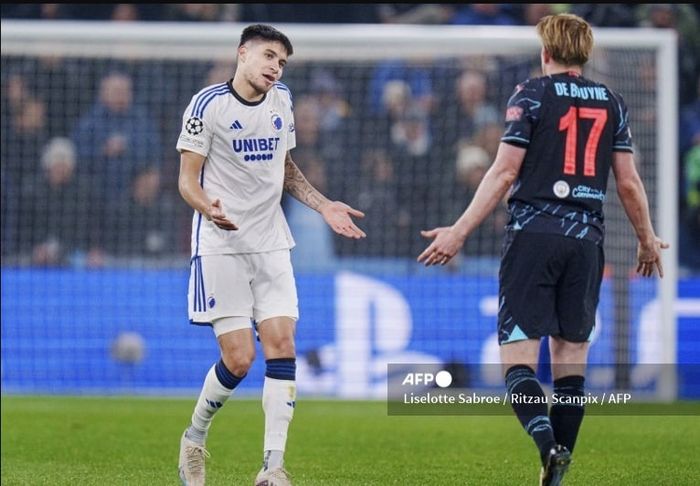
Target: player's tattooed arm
{"type": "Point", "coordinates": [336, 214]}
{"type": "Point", "coordinates": [296, 185]}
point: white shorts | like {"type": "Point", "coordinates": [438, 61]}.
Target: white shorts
{"type": "Point", "coordinates": [254, 286]}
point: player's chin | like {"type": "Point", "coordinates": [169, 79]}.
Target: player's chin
{"type": "Point", "coordinates": [266, 84]}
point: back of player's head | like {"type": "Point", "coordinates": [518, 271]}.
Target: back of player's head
{"type": "Point", "coordinates": [268, 33]}
{"type": "Point", "coordinates": [567, 38]}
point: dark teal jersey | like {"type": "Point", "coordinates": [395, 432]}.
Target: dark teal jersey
{"type": "Point", "coordinates": [570, 127]}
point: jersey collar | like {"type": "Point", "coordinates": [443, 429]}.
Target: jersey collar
{"type": "Point", "coordinates": [240, 98]}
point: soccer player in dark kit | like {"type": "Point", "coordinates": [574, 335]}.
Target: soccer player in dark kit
{"type": "Point", "coordinates": [563, 134]}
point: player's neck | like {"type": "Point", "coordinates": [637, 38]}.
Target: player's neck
{"type": "Point", "coordinates": [552, 69]}
{"type": "Point", "coordinates": [245, 90]}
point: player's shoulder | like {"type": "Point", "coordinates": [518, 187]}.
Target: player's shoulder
{"type": "Point", "coordinates": [537, 82]}
{"type": "Point", "coordinates": [283, 92]}
{"type": "Point", "coordinates": [531, 86]}
{"type": "Point", "coordinates": [204, 98]}
{"type": "Point", "coordinates": [529, 91]}
{"type": "Point", "coordinates": [615, 95]}
{"type": "Point", "coordinates": [212, 88]}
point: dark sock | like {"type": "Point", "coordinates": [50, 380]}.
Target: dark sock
{"type": "Point", "coordinates": [530, 406]}
{"type": "Point", "coordinates": [566, 417]}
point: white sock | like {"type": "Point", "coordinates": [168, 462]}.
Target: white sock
{"type": "Point", "coordinates": [211, 399]}
{"type": "Point", "coordinates": [273, 460]}
{"type": "Point", "coordinates": [279, 399]}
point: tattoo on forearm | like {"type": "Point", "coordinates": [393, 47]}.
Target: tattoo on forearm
{"type": "Point", "coordinates": [296, 184]}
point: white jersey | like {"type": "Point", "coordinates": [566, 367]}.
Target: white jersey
{"type": "Point", "coordinates": [245, 145]}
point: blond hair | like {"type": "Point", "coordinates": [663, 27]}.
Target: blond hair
{"type": "Point", "coordinates": [567, 38]}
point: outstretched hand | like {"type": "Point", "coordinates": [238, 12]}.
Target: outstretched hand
{"type": "Point", "coordinates": [649, 257]}
{"type": "Point", "coordinates": [446, 245]}
{"type": "Point", "coordinates": [215, 214]}
{"type": "Point", "coordinates": [338, 216]}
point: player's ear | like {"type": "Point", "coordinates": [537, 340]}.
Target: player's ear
{"type": "Point", "coordinates": [546, 57]}
{"type": "Point", "coordinates": [242, 52]}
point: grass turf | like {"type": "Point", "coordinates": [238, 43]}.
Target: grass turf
{"type": "Point", "coordinates": [135, 441]}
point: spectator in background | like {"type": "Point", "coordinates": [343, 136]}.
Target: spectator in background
{"type": "Point", "coordinates": [689, 229]}
{"type": "Point", "coordinates": [482, 14]}
{"type": "Point", "coordinates": [414, 73]}
{"type": "Point", "coordinates": [117, 144]}
{"type": "Point", "coordinates": [334, 109]}
{"type": "Point", "coordinates": [219, 73]}
{"type": "Point", "coordinates": [396, 99]}
{"type": "Point", "coordinates": [690, 224]}
{"type": "Point", "coordinates": [410, 133]}
{"type": "Point", "coordinates": [471, 111]}
{"type": "Point", "coordinates": [307, 124]}
{"type": "Point", "coordinates": [606, 14]}
{"type": "Point", "coordinates": [684, 20]}
{"type": "Point", "coordinates": [125, 12]}
{"type": "Point", "coordinates": [143, 224]}
{"type": "Point", "coordinates": [406, 13]}
{"type": "Point", "coordinates": [46, 11]}
{"type": "Point", "coordinates": [533, 12]}
{"type": "Point", "coordinates": [404, 122]}
{"type": "Point", "coordinates": [22, 138]}
{"type": "Point", "coordinates": [116, 140]}
{"type": "Point", "coordinates": [689, 126]}
{"type": "Point", "coordinates": [378, 199]}
{"type": "Point", "coordinates": [194, 12]}
{"type": "Point", "coordinates": [347, 13]}
{"type": "Point", "coordinates": [418, 170]}
{"type": "Point", "coordinates": [81, 11]}
{"type": "Point", "coordinates": [61, 221]}
{"type": "Point", "coordinates": [471, 165]}
{"type": "Point", "coordinates": [488, 137]}
{"type": "Point", "coordinates": [57, 82]}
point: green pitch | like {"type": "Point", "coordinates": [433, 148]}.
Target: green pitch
{"type": "Point", "coordinates": [135, 441]}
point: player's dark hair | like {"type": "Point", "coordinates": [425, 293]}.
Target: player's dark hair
{"type": "Point", "coordinates": [268, 33]}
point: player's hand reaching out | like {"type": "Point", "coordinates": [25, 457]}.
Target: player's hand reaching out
{"type": "Point", "coordinates": [338, 216]}
{"type": "Point", "coordinates": [215, 214]}
{"type": "Point", "coordinates": [446, 245]}
{"type": "Point", "coordinates": [649, 257]}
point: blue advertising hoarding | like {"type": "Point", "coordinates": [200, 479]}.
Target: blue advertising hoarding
{"type": "Point", "coordinates": [126, 331]}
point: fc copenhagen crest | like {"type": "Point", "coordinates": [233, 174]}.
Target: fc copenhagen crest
{"type": "Point", "coordinates": [277, 122]}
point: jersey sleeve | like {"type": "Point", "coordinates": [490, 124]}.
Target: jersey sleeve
{"type": "Point", "coordinates": [288, 101]}
{"type": "Point", "coordinates": [521, 113]}
{"type": "Point", "coordinates": [622, 135]}
{"type": "Point", "coordinates": [197, 128]}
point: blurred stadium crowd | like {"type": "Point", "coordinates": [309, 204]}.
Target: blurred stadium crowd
{"type": "Point", "coordinates": [89, 175]}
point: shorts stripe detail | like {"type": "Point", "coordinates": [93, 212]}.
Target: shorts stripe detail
{"type": "Point", "coordinates": [515, 335]}
{"type": "Point", "coordinates": [203, 295]}
{"type": "Point", "coordinates": [199, 298]}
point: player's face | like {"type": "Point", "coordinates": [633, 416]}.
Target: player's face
{"type": "Point", "coordinates": [263, 63]}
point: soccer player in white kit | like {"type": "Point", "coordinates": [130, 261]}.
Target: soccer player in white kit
{"type": "Point", "coordinates": [235, 163]}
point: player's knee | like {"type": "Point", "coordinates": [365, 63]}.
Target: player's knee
{"type": "Point", "coordinates": [568, 352]}
{"type": "Point", "coordinates": [239, 362]}
{"type": "Point", "coordinates": [280, 347]}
